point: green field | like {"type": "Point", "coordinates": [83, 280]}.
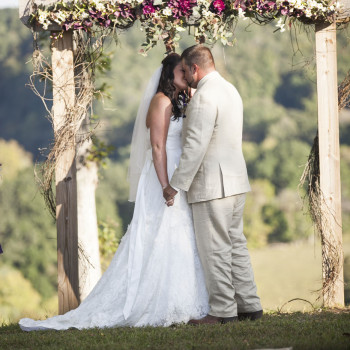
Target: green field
{"type": "Point", "coordinates": [287, 271]}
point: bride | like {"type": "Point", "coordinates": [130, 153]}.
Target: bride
{"type": "Point", "coordinates": [155, 278]}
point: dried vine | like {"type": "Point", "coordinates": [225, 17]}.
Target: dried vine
{"type": "Point", "coordinates": [344, 93]}
{"type": "Point", "coordinates": [87, 52]}
{"type": "Point", "coordinates": [332, 262]}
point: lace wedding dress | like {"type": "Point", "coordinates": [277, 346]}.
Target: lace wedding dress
{"type": "Point", "coordinates": [155, 277]}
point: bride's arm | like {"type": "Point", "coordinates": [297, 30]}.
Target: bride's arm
{"type": "Point", "coordinates": [158, 120]}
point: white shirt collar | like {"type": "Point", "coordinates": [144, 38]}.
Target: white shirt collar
{"type": "Point", "coordinates": [207, 77]}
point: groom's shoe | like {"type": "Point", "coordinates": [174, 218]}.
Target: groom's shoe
{"type": "Point", "coordinates": [209, 319]}
{"type": "Point", "coordinates": [252, 316]}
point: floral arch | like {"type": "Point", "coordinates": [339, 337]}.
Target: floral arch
{"type": "Point", "coordinates": [207, 20]}
{"type": "Point", "coordinates": [78, 29]}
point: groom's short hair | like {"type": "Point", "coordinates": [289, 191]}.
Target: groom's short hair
{"type": "Point", "coordinates": [198, 54]}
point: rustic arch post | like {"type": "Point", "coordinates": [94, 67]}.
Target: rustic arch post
{"type": "Point", "coordinates": [65, 172]}
{"type": "Point", "coordinates": [65, 176]}
{"type": "Point", "coordinates": [329, 157]}
{"type": "Point", "coordinates": [329, 160]}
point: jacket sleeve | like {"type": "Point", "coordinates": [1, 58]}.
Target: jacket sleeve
{"type": "Point", "coordinates": [201, 114]}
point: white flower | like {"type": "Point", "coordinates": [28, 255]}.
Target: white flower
{"type": "Point", "coordinates": [61, 16]}
{"type": "Point", "coordinates": [298, 4]}
{"type": "Point", "coordinates": [46, 24]}
{"type": "Point", "coordinates": [308, 12]}
{"type": "Point", "coordinates": [195, 13]}
{"type": "Point", "coordinates": [241, 13]}
{"type": "Point", "coordinates": [167, 11]}
{"type": "Point", "coordinates": [206, 13]}
{"type": "Point", "coordinates": [280, 25]}
{"type": "Point", "coordinates": [313, 4]}
{"type": "Point", "coordinates": [100, 7]}
{"type": "Point", "coordinates": [42, 15]}
{"type": "Point", "coordinates": [206, 3]}
{"type": "Point", "coordinates": [180, 29]}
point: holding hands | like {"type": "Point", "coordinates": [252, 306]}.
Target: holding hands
{"type": "Point", "coordinates": [169, 195]}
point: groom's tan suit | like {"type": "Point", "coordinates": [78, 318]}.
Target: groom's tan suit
{"type": "Point", "coordinates": [212, 170]}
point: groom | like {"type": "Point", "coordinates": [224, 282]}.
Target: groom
{"type": "Point", "coordinates": [213, 172]}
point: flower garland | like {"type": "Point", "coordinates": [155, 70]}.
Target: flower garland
{"type": "Point", "coordinates": [165, 19]}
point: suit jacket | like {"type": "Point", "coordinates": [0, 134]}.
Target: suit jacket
{"type": "Point", "coordinates": [212, 164]}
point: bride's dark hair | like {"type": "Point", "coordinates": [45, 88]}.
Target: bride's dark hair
{"type": "Point", "coordinates": [167, 87]}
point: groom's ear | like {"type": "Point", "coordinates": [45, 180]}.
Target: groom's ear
{"type": "Point", "coordinates": [195, 68]}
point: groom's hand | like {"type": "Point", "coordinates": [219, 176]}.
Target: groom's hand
{"type": "Point", "coordinates": [169, 193]}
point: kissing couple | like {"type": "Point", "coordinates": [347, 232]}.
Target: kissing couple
{"type": "Point", "coordinates": [184, 257]}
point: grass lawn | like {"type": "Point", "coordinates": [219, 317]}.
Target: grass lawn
{"type": "Point", "coordinates": [318, 330]}
{"type": "Point", "coordinates": [287, 271]}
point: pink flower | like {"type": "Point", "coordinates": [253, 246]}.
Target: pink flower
{"type": "Point", "coordinates": [148, 7]}
{"type": "Point", "coordinates": [217, 6]}
{"type": "Point", "coordinates": [181, 8]}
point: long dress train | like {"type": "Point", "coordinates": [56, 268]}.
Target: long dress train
{"type": "Point", "coordinates": [155, 278]}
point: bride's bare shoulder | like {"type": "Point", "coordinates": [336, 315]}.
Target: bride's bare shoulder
{"type": "Point", "coordinates": [160, 103]}
{"type": "Point", "coordinates": [160, 99]}
{"type": "Point", "coordinates": [160, 106]}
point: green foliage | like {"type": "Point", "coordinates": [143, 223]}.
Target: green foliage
{"type": "Point", "coordinates": [347, 280]}
{"type": "Point", "coordinates": [108, 242]}
{"type": "Point", "coordinates": [99, 152]}
{"type": "Point", "coordinates": [275, 218]}
{"type": "Point", "coordinates": [255, 228]}
{"type": "Point", "coordinates": [293, 90]}
{"type": "Point", "coordinates": [17, 296]}
{"type": "Point", "coordinates": [28, 232]}
{"type": "Point", "coordinates": [345, 186]}
{"type": "Point", "coordinates": [112, 196]}
{"type": "Point", "coordinates": [13, 159]}
{"type": "Point", "coordinates": [22, 116]}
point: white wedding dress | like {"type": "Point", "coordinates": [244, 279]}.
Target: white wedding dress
{"type": "Point", "coordinates": [155, 277]}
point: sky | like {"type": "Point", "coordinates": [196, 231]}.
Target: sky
{"type": "Point", "coordinates": [8, 3]}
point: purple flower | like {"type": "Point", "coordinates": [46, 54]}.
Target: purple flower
{"type": "Point", "coordinates": [217, 6]}
{"type": "Point", "coordinates": [148, 8]}
{"type": "Point", "coordinates": [181, 8]}
{"type": "Point", "coordinates": [67, 25]}
{"type": "Point", "coordinates": [125, 11]}
{"type": "Point", "coordinates": [240, 4]}
{"type": "Point", "coordinates": [87, 24]}
{"type": "Point", "coordinates": [77, 25]}
{"type": "Point", "coordinates": [267, 6]}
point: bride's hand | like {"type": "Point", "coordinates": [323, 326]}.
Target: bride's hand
{"type": "Point", "coordinates": [170, 202]}
{"type": "Point", "coordinates": [169, 193]}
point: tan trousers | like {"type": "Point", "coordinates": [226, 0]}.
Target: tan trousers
{"type": "Point", "coordinates": [223, 251]}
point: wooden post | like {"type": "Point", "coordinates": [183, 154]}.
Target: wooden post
{"type": "Point", "coordinates": [66, 185]}
{"type": "Point", "coordinates": [328, 131]}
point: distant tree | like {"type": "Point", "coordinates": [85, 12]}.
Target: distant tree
{"type": "Point", "coordinates": [17, 296]}
{"type": "Point", "coordinates": [28, 232]}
